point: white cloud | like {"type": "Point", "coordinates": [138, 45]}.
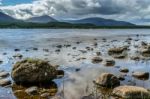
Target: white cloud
{"type": "Point", "coordinates": [116, 9]}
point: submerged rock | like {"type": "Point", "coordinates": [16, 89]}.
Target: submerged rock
{"type": "Point", "coordinates": [18, 56]}
{"type": "Point", "coordinates": [33, 71]}
{"type": "Point", "coordinates": [131, 92]}
{"type": "Point", "coordinates": [136, 58]}
{"type": "Point", "coordinates": [5, 82]}
{"type": "Point", "coordinates": [120, 56]}
{"type": "Point", "coordinates": [1, 61]}
{"type": "Point", "coordinates": [141, 75]}
{"type": "Point", "coordinates": [121, 77]}
{"type": "Point", "coordinates": [107, 80]}
{"type": "Point", "coordinates": [89, 97]}
{"type": "Point", "coordinates": [109, 62]}
{"type": "Point", "coordinates": [96, 60]}
{"type": "Point", "coordinates": [4, 74]}
{"type": "Point", "coordinates": [98, 53]}
{"type": "Point", "coordinates": [32, 90]}
{"type": "Point", "coordinates": [45, 95]}
{"type": "Point", "coordinates": [124, 70]}
{"type": "Point", "coordinates": [115, 50]}
{"type": "Point", "coordinates": [16, 49]}
{"type": "Point", "coordinates": [35, 92]}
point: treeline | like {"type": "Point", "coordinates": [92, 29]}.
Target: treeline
{"type": "Point", "coordinates": [30, 25]}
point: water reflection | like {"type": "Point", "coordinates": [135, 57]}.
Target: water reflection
{"type": "Point", "coordinates": [19, 91]}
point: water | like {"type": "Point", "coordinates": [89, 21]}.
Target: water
{"type": "Point", "coordinates": [74, 84]}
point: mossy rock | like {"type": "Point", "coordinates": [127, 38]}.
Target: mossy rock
{"type": "Point", "coordinates": [33, 71]}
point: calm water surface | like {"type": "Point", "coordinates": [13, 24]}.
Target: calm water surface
{"type": "Point", "coordinates": [74, 84]}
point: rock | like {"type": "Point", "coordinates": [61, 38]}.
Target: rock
{"type": "Point", "coordinates": [88, 97]}
{"type": "Point", "coordinates": [107, 80]}
{"type": "Point", "coordinates": [57, 50]}
{"type": "Point", "coordinates": [131, 92]}
{"type": "Point", "coordinates": [116, 50]}
{"type": "Point", "coordinates": [136, 58]}
{"type": "Point", "coordinates": [32, 90]}
{"type": "Point", "coordinates": [141, 75]}
{"type": "Point", "coordinates": [33, 71]}
{"type": "Point", "coordinates": [59, 46]}
{"type": "Point", "coordinates": [18, 56]}
{"type": "Point", "coordinates": [145, 49]}
{"type": "Point", "coordinates": [56, 97]}
{"type": "Point", "coordinates": [83, 51]}
{"type": "Point", "coordinates": [89, 48]}
{"type": "Point", "coordinates": [4, 53]}
{"type": "Point", "coordinates": [77, 70]}
{"type": "Point", "coordinates": [60, 73]}
{"type": "Point", "coordinates": [121, 77]}
{"type": "Point", "coordinates": [124, 70]}
{"type": "Point", "coordinates": [16, 49]}
{"type": "Point", "coordinates": [144, 43]}
{"type": "Point", "coordinates": [95, 44]}
{"type": "Point", "coordinates": [46, 50]}
{"type": "Point", "coordinates": [1, 61]}
{"type": "Point", "coordinates": [129, 39]}
{"type": "Point", "coordinates": [4, 74]}
{"type": "Point", "coordinates": [78, 42]}
{"type": "Point", "coordinates": [98, 53]}
{"type": "Point", "coordinates": [109, 62]}
{"type": "Point", "coordinates": [35, 48]}
{"type": "Point", "coordinates": [5, 82]}
{"type": "Point", "coordinates": [96, 60]}
{"type": "Point", "coordinates": [74, 48]}
{"type": "Point", "coordinates": [120, 56]}
{"type": "Point", "coordinates": [45, 95]}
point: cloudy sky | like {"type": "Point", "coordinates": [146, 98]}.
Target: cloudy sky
{"type": "Point", "coordinates": [137, 11]}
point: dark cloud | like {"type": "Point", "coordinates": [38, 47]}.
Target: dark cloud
{"type": "Point", "coordinates": [120, 9]}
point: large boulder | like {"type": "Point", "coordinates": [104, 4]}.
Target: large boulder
{"type": "Point", "coordinates": [33, 71]}
{"type": "Point", "coordinates": [131, 92]}
{"type": "Point", "coordinates": [107, 80]}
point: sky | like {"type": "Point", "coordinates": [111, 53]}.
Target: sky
{"type": "Point", "coordinates": [135, 11]}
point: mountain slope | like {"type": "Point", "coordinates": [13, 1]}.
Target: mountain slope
{"type": "Point", "coordinates": [6, 18]}
{"type": "Point", "coordinates": [41, 19]}
{"type": "Point", "coordinates": [101, 22]}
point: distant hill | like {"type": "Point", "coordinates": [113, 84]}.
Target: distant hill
{"type": "Point", "coordinates": [100, 22]}
{"type": "Point", "coordinates": [7, 21]}
{"type": "Point", "coordinates": [41, 19]}
{"type": "Point", "coordinates": [4, 18]}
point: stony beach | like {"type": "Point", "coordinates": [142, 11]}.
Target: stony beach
{"type": "Point", "coordinates": [75, 64]}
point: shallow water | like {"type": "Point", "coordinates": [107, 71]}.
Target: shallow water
{"type": "Point", "coordinates": [75, 84]}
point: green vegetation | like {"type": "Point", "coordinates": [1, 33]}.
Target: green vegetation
{"type": "Point", "coordinates": [30, 25]}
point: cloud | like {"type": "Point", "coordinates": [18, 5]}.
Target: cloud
{"type": "Point", "coordinates": [115, 9]}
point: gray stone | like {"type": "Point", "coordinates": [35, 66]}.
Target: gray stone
{"type": "Point", "coordinates": [5, 82]}
{"type": "Point", "coordinates": [32, 90]}
{"type": "Point", "coordinates": [107, 80]}
{"type": "Point", "coordinates": [131, 92]}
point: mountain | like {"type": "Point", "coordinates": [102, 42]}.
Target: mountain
{"type": "Point", "coordinates": [100, 22]}
{"type": "Point", "coordinates": [41, 19]}
{"type": "Point", "coordinates": [6, 18]}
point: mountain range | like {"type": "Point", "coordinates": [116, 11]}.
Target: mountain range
{"type": "Point", "coordinates": [41, 19]}
{"type": "Point", "coordinates": [45, 19]}
{"type": "Point", "coordinates": [6, 18]}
